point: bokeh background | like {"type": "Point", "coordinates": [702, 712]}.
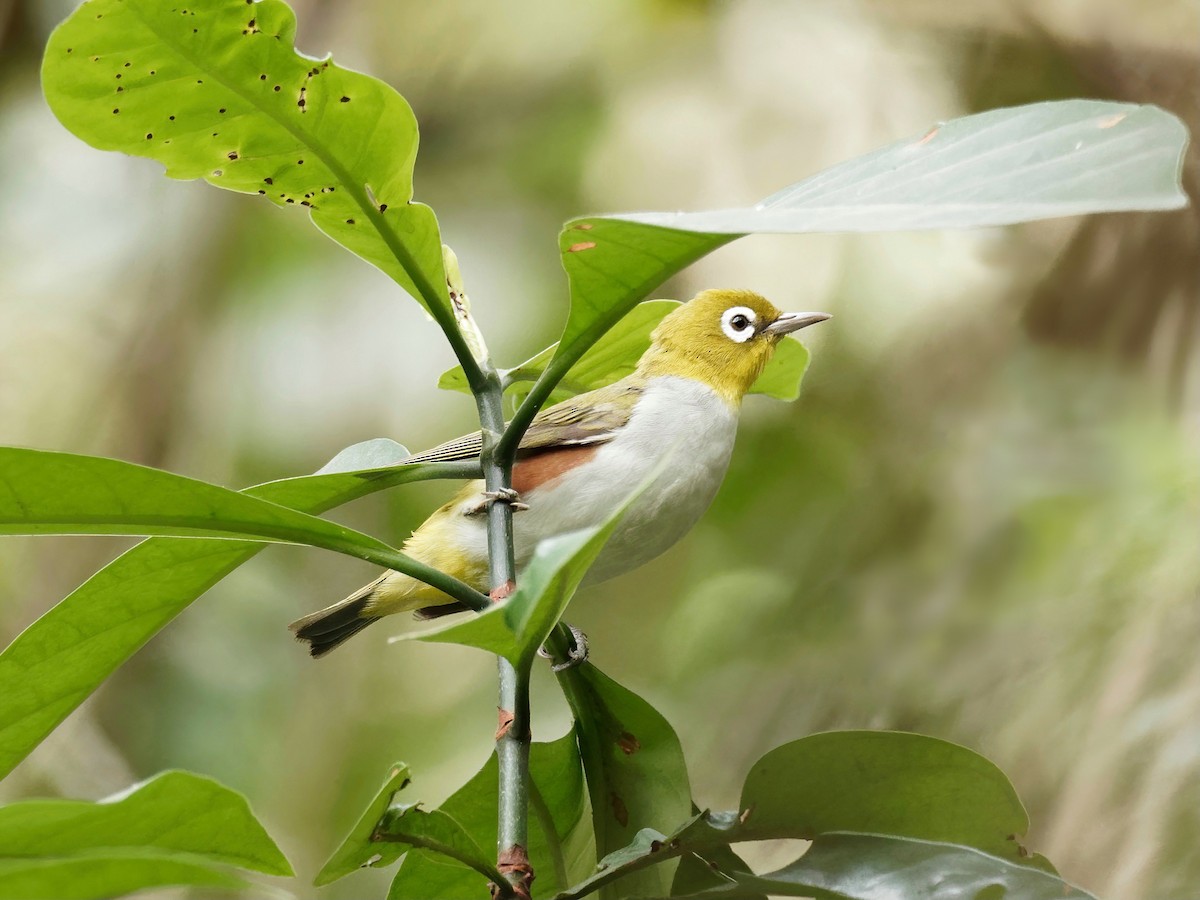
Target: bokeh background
{"type": "Point", "coordinates": [981, 521]}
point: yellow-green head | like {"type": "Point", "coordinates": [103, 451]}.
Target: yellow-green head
{"type": "Point", "coordinates": [723, 338]}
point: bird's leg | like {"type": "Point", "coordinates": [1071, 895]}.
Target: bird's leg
{"type": "Point", "coordinates": [577, 655]}
{"type": "Point", "coordinates": [500, 495]}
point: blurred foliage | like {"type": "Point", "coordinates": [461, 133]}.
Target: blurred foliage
{"type": "Point", "coordinates": [979, 522]}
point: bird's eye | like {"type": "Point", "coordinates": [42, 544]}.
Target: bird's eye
{"type": "Point", "coordinates": [738, 324]}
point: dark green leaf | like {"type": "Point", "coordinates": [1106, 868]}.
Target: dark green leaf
{"type": "Point", "coordinates": [886, 783]}
{"type": "Point", "coordinates": [616, 354]}
{"type": "Point", "coordinates": [61, 658]}
{"type": "Point", "coordinates": [874, 867]}
{"type": "Point", "coordinates": [635, 771]}
{"type": "Point", "coordinates": [216, 90]}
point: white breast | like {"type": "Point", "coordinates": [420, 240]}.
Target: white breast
{"type": "Point", "coordinates": [675, 417]}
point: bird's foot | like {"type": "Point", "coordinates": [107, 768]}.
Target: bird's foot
{"type": "Point", "coordinates": [500, 495]}
{"type": "Point", "coordinates": [577, 655]}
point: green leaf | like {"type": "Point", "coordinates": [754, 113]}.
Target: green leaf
{"type": "Point", "coordinates": [100, 875]}
{"type": "Point", "coordinates": [172, 811]}
{"type": "Point", "coordinates": [62, 657]}
{"type": "Point", "coordinates": [616, 354]}
{"type": "Point", "coordinates": [216, 90]}
{"type": "Point", "coordinates": [44, 492]}
{"type": "Point", "coordinates": [1009, 165]}
{"type": "Point", "coordinates": [358, 850]}
{"type": "Point", "coordinates": [176, 828]}
{"type": "Point", "coordinates": [388, 829]}
{"type": "Point", "coordinates": [636, 775]}
{"type": "Point", "coordinates": [875, 867]}
{"type": "Point", "coordinates": [886, 783]}
{"type": "Point", "coordinates": [518, 626]}
{"type": "Point", "coordinates": [559, 837]}
{"type": "Point", "coordinates": [1040, 161]}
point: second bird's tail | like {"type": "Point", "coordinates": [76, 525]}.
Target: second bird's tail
{"type": "Point", "coordinates": [330, 627]}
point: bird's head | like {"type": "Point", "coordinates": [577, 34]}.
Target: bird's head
{"type": "Point", "coordinates": [722, 338]}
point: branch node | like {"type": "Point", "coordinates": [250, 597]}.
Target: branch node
{"type": "Point", "coordinates": [515, 862]}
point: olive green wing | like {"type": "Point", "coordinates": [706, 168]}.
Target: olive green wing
{"type": "Point", "coordinates": [585, 419]}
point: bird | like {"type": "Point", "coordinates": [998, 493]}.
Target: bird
{"type": "Point", "coordinates": [581, 458]}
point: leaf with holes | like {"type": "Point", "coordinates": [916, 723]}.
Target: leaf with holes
{"type": "Point", "coordinates": [175, 829]}
{"type": "Point", "coordinates": [616, 355]}
{"type": "Point", "coordinates": [56, 662]}
{"type": "Point", "coordinates": [636, 775]}
{"type": "Point", "coordinates": [216, 90]}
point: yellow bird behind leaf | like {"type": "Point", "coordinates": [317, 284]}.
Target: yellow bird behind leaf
{"type": "Point", "coordinates": [582, 457]}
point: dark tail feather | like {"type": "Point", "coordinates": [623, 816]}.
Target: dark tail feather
{"type": "Point", "coordinates": [328, 628]}
{"type": "Point", "coordinates": [442, 609]}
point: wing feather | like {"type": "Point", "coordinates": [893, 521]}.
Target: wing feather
{"type": "Point", "coordinates": [586, 419]}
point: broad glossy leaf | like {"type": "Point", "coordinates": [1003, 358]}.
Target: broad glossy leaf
{"type": "Point", "coordinates": [1010, 165]}
{"type": "Point", "coordinates": [99, 875]}
{"type": "Point", "coordinates": [875, 867]}
{"type": "Point", "coordinates": [559, 839]}
{"type": "Point", "coordinates": [216, 90]}
{"type": "Point", "coordinates": [882, 782]}
{"type": "Point", "coordinates": [61, 658]}
{"type": "Point", "coordinates": [177, 828]}
{"type": "Point", "coordinates": [173, 811]}
{"type": "Point", "coordinates": [636, 775]}
{"type": "Point", "coordinates": [44, 492]}
{"type": "Point", "coordinates": [616, 355]}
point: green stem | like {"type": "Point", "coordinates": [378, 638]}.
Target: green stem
{"type": "Point", "coordinates": [513, 736]}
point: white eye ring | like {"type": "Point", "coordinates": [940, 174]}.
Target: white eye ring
{"type": "Point", "coordinates": [738, 323]}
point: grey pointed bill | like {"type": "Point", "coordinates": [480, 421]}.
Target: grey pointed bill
{"type": "Point", "coordinates": [789, 322]}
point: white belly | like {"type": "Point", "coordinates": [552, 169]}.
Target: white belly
{"type": "Point", "coordinates": [676, 417]}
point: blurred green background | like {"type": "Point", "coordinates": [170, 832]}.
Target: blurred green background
{"type": "Point", "coordinates": [981, 521]}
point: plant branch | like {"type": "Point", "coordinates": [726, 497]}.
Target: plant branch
{"type": "Point", "coordinates": [513, 735]}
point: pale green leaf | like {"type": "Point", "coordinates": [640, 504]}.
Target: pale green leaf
{"type": "Point", "coordinates": [1062, 158]}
